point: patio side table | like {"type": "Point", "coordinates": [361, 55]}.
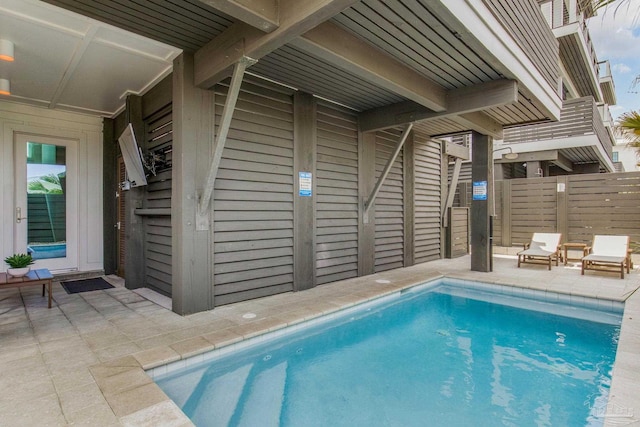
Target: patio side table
{"type": "Point", "coordinates": [572, 246]}
{"type": "Point", "coordinates": [41, 276]}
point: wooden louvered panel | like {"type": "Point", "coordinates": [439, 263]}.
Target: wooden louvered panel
{"type": "Point", "coordinates": [157, 250]}
{"type": "Point", "coordinates": [389, 206]}
{"type": "Point", "coordinates": [157, 229]}
{"type": "Point", "coordinates": [253, 197]}
{"type": "Point", "coordinates": [337, 194]}
{"type": "Point", "coordinates": [427, 198]}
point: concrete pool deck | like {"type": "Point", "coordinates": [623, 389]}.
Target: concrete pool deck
{"type": "Point", "coordinates": [82, 362]}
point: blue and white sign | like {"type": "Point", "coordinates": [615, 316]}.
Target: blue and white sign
{"type": "Point", "coordinates": [305, 184]}
{"type": "Point", "coordinates": [479, 190]}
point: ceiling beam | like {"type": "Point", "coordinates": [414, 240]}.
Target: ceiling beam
{"type": "Point", "coordinates": [260, 14]}
{"type": "Point", "coordinates": [462, 104]}
{"type": "Point", "coordinates": [214, 61]}
{"type": "Point", "coordinates": [341, 48]}
{"type": "Point", "coordinates": [563, 163]}
{"type": "Point", "coordinates": [481, 123]}
{"type": "Point", "coordinates": [532, 156]}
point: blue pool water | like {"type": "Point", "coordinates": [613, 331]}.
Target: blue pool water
{"type": "Point", "coordinates": [444, 356]}
{"type": "Point", "coordinates": [48, 251]}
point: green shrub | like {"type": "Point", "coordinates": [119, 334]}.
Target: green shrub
{"type": "Point", "coordinates": [19, 260]}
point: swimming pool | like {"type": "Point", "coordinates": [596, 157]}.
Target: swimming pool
{"type": "Point", "coordinates": [47, 251]}
{"type": "Point", "coordinates": [442, 354]}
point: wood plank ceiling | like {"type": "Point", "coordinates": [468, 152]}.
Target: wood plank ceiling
{"type": "Point", "coordinates": [409, 31]}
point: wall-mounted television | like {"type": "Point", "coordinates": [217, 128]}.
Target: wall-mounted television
{"type": "Point", "coordinates": [132, 157]}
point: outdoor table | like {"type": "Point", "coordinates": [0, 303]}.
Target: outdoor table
{"type": "Point", "coordinates": [576, 246]}
{"type": "Point", "coordinates": [32, 278]}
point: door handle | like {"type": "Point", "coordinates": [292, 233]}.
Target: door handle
{"type": "Point", "coordinates": [19, 216]}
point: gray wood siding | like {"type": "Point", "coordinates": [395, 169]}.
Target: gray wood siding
{"type": "Point", "coordinates": [389, 206]}
{"type": "Point", "coordinates": [427, 198]}
{"type": "Point", "coordinates": [337, 194]}
{"type": "Point", "coordinates": [157, 229]}
{"type": "Point", "coordinates": [253, 198]}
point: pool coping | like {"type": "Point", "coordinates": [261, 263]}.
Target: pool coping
{"type": "Point", "coordinates": [136, 399]}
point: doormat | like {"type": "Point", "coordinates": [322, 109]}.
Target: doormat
{"type": "Point", "coordinates": [86, 285]}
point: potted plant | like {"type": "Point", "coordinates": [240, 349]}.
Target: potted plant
{"type": "Point", "coordinates": [18, 264]}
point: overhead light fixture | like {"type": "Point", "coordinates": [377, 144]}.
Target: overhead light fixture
{"type": "Point", "coordinates": [5, 87]}
{"type": "Point", "coordinates": [6, 50]}
{"type": "Point", "coordinates": [510, 155]}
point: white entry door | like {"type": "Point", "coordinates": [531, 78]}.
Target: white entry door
{"type": "Point", "coordinates": [46, 201]}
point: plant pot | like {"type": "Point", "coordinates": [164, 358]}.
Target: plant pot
{"type": "Point", "coordinates": [18, 272]}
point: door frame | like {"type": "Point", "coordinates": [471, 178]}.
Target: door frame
{"type": "Point", "coordinates": [71, 261]}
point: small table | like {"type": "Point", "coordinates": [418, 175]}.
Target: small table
{"type": "Point", "coordinates": [32, 278]}
{"type": "Point", "coordinates": [575, 246]}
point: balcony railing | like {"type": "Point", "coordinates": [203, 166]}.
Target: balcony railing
{"type": "Point", "coordinates": [604, 69]}
{"type": "Point", "coordinates": [579, 117]}
{"type": "Point", "coordinates": [563, 13]}
{"type": "Point", "coordinates": [605, 114]}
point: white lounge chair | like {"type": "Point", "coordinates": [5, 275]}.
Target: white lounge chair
{"type": "Point", "coordinates": [544, 247]}
{"type": "Point", "coordinates": [608, 253]}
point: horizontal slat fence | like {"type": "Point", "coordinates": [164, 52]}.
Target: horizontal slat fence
{"type": "Point", "coordinates": [47, 218]}
{"type": "Point", "coordinates": [578, 206]}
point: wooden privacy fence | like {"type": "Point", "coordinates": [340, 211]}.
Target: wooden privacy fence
{"type": "Point", "coordinates": [578, 206]}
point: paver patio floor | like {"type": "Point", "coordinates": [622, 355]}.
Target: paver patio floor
{"type": "Point", "coordinates": [81, 362]}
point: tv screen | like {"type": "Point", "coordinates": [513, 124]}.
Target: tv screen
{"type": "Point", "coordinates": [131, 156]}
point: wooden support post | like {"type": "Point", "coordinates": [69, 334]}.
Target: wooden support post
{"type": "Point", "coordinates": [408, 167]}
{"type": "Point", "coordinates": [481, 203]}
{"type": "Point", "coordinates": [223, 130]}
{"type": "Point", "coordinates": [304, 161]}
{"type": "Point", "coordinates": [372, 198]}
{"type": "Point", "coordinates": [134, 227]}
{"type": "Point", "coordinates": [109, 189]}
{"type": "Point", "coordinates": [366, 180]}
{"type": "Point", "coordinates": [193, 133]}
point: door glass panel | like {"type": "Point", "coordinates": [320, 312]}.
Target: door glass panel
{"type": "Point", "coordinates": [46, 201]}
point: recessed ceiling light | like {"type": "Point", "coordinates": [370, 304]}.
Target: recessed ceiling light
{"type": "Point", "coordinates": [5, 87]}
{"type": "Point", "coordinates": [6, 50]}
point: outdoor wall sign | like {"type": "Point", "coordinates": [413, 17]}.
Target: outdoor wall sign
{"type": "Point", "coordinates": [479, 190]}
{"type": "Point", "coordinates": [304, 184]}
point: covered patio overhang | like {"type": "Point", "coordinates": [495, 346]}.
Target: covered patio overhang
{"type": "Point", "coordinates": [419, 61]}
{"type": "Point", "coordinates": [435, 67]}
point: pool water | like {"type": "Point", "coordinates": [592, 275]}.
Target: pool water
{"type": "Point", "coordinates": [444, 356]}
{"type": "Point", "coordinates": [47, 251]}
